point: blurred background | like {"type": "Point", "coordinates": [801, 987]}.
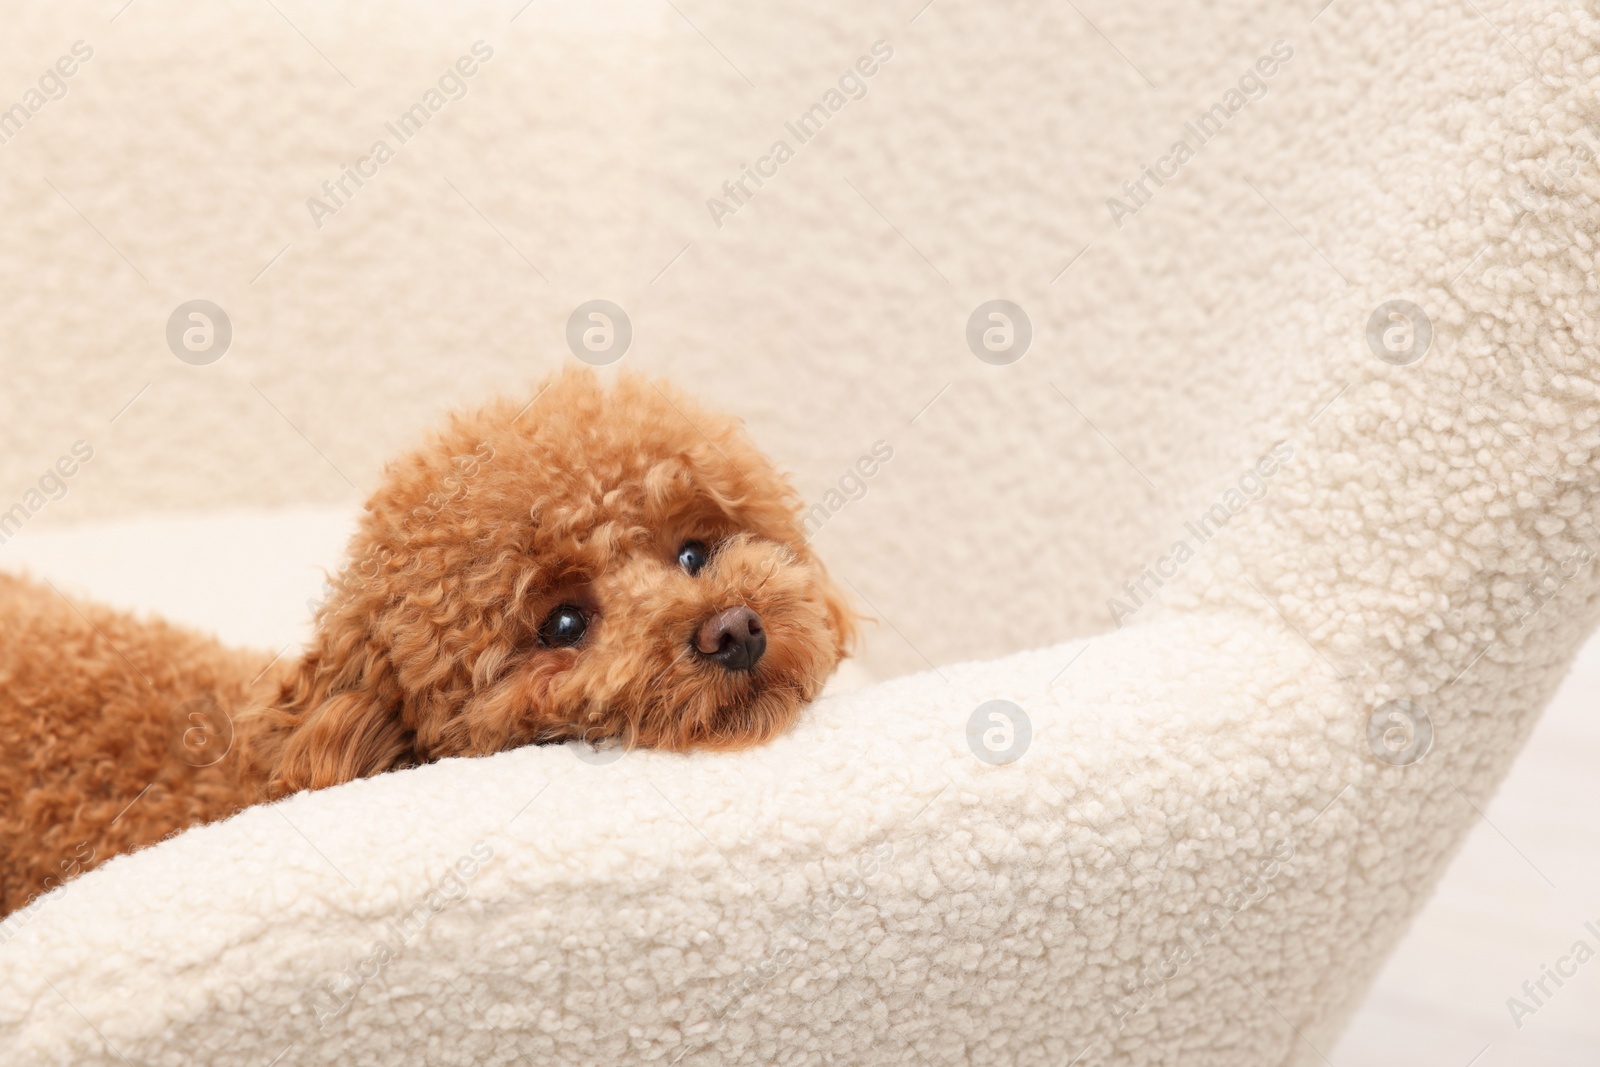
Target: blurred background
{"type": "Point", "coordinates": [604, 151]}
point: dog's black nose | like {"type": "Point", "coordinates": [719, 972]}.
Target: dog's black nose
{"type": "Point", "coordinates": [733, 637]}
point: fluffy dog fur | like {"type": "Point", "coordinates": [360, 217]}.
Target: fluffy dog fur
{"type": "Point", "coordinates": [117, 732]}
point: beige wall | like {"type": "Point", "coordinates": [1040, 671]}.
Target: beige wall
{"type": "Point", "coordinates": [829, 311]}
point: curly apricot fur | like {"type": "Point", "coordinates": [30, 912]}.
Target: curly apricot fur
{"type": "Point", "coordinates": [427, 646]}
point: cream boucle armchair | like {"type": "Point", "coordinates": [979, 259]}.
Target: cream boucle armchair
{"type": "Point", "coordinates": [1190, 839]}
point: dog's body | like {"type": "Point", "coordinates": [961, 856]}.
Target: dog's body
{"type": "Point", "coordinates": [89, 707]}
{"type": "Point", "coordinates": [605, 566]}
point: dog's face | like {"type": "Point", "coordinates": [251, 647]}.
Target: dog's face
{"type": "Point", "coordinates": [600, 565]}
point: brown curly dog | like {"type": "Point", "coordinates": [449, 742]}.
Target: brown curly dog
{"type": "Point", "coordinates": [613, 566]}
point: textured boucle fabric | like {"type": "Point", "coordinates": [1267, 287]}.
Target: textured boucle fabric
{"type": "Point", "coordinates": [863, 885]}
{"type": "Point", "coordinates": [1200, 858]}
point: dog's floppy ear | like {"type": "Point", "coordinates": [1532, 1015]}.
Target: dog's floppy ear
{"type": "Point", "coordinates": [842, 617]}
{"type": "Point", "coordinates": [345, 737]}
{"type": "Point", "coordinates": [325, 734]}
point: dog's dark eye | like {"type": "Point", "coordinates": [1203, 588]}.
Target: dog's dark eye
{"type": "Point", "coordinates": [692, 556]}
{"type": "Point", "coordinates": [564, 626]}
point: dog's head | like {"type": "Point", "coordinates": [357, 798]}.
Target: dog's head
{"type": "Point", "coordinates": [600, 565]}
